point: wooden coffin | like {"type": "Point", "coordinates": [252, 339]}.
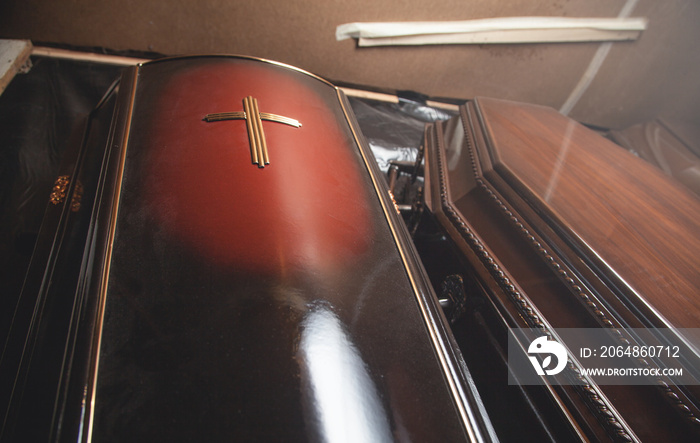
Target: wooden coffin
{"type": "Point", "coordinates": [220, 261]}
{"type": "Point", "coordinates": [558, 227]}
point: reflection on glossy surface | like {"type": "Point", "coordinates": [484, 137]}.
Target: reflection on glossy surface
{"type": "Point", "coordinates": [619, 208]}
{"type": "Point", "coordinates": [217, 319]}
{"type": "Point", "coordinates": [344, 399]}
{"type": "Point", "coordinates": [561, 158]}
{"type": "Point", "coordinates": [204, 190]}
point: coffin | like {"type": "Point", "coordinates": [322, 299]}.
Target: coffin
{"type": "Point", "coordinates": [220, 261]}
{"type": "Point", "coordinates": [552, 226]}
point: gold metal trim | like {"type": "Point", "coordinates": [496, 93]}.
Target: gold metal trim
{"type": "Point", "coordinates": [241, 115]}
{"type": "Point", "coordinates": [237, 115]}
{"type": "Point", "coordinates": [260, 134]}
{"type": "Point", "coordinates": [77, 196]}
{"type": "Point", "coordinates": [60, 190]}
{"type": "Point", "coordinates": [251, 131]}
{"type": "Point", "coordinates": [393, 200]}
{"type": "Point", "coordinates": [91, 388]}
{"type": "Point", "coordinates": [449, 371]}
{"type": "Point", "coordinates": [256, 135]}
{"type": "Point", "coordinates": [280, 119]}
{"type": "Point", "coordinates": [240, 57]}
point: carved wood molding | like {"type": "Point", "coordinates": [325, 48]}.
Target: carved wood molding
{"type": "Point", "coordinates": [590, 394]}
{"type": "Point", "coordinates": [563, 271]}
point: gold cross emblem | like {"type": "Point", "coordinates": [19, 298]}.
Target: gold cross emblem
{"type": "Point", "coordinates": [256, 136]}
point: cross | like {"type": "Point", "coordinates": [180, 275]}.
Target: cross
{"type": "Point", "coordinates": [253, 117]}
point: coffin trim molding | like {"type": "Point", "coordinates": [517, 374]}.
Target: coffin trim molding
{"type": "Point", "coordinates": [595, 399]}
{"type": "Point", "coordinates": [563, 271]}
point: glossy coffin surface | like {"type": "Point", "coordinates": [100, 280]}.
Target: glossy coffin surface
{"type": "Point", "coordinates": [242, 302]}
{"type": "Point", "coordinates": [564, 229]}
{"type": "Point", "coordinates": [643, 226]}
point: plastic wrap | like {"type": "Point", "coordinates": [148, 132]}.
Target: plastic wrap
{"type": "Point", "coordinates": [394, 131]}
{"type": "Point", "coordinates": [38, 112]}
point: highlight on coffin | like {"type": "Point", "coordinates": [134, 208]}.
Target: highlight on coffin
{"type": "Point", "coordinates": [272, 218]}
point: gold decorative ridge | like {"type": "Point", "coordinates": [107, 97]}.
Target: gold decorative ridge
{"type": "Point", "coordinates": [241, 115]}
{"type": "Point", "coordinates": [60, 189]}
{"type": "Point", "coordinates": [256, 135]}
{"type": "Point", "coordinates": [236, 115]}
{"type": "Point", "coordinates": [591, 394]}
{"type": "Point", "coordinates": [123, 137]}
{"type": "Point", "coordinates": [280, 119]}
{"type": "Point", "coordinates": [466, 413]}
{"type": "Point", "coordinates": [77, 197]}
{"type": "Point", "coordinates": [241, 57]}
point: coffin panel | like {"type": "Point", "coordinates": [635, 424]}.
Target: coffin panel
{"type": "Point", "coordinates": [563, 229]}
{"type": "Point", "coordinates": [216, 298]}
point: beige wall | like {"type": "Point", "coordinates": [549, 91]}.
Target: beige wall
{"type": "Point", "coordinates": [657, 74]}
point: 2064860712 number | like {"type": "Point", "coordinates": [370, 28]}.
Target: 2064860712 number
{"type": "Point", "coordinates": [639, 351]}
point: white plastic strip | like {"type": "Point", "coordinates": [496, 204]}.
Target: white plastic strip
{"type": "Point", "coordinates": [494, 30]}
{"type": "Point", "coordinates": [506, 36]}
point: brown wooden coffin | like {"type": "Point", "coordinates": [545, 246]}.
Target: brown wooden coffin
{"type": "Point", "coordinates": [220, 261]}
{"type": "Point", "coordinates": [560, 228]}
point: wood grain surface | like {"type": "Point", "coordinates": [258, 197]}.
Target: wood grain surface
{"type": "Point", "coordinates": [626, 213]}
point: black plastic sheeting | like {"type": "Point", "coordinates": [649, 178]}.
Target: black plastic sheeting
{"type": "Point", "coordinates": [38, 111]}
{"type": "Point", "coordinates": [394, 131]}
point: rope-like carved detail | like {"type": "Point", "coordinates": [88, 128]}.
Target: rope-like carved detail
{"type": "Point", "coordinates": [59, 190]}
{"type": "Point", "coordinates": [576, 286]}
{"type": "Point", "coordinates": [590, 393]}
{"type": "Point", "coordinates": [590, 305]}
